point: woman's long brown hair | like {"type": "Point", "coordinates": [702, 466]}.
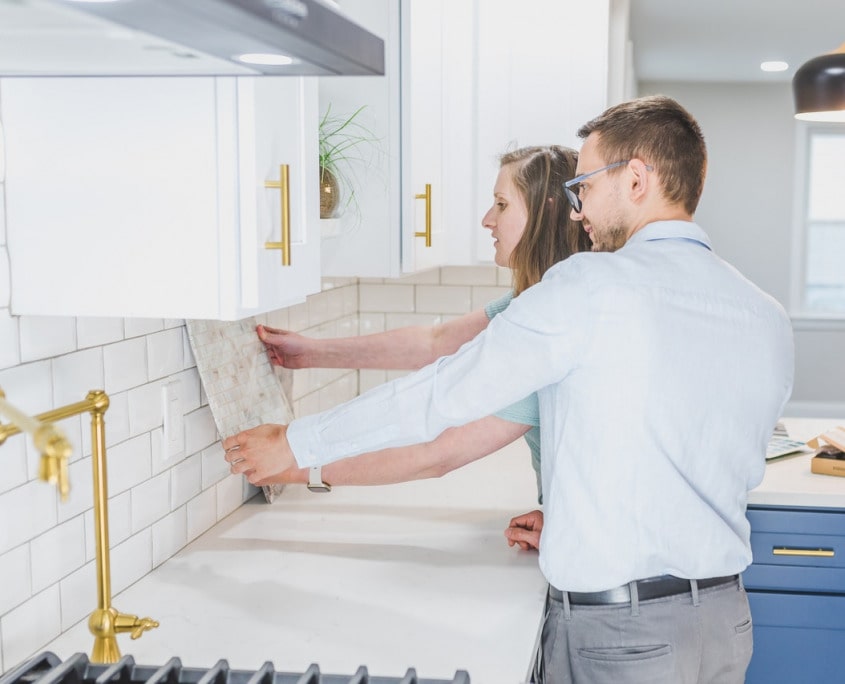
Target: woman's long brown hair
{"type": "Point", "coordinates": [550, 235]}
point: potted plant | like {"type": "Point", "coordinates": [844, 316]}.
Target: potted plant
{"type": "Point", "coordinates": [341, 138]}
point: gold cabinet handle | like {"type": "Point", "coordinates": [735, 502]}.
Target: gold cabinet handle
{"type": "Point", "coordinates": [815, 553]}
{"type": "Point", "coordinates": [283, 185]}
{"type": "Point", "coordinates": [427, 232]}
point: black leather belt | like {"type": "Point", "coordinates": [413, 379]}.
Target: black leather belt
{"type": "Point", "coordinates": [649, 588]}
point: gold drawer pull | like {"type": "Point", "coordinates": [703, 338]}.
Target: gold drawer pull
{"type": "Point", "coordinates": [427, 232]}
{"type": "Point", "coordinates": [283, 184]}
{"type": "Point", "coordinates": [815, 553]}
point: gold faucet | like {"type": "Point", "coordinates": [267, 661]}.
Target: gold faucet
{"type": "Point", "coordinates": [105, 623]}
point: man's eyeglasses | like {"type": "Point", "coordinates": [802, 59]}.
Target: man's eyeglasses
{"type": "Point", "coordinates": [572, 190]}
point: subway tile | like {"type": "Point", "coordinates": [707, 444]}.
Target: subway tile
{"type": "Point", "coordinates": [298, 317]}
{"type": "Point", "coordinates": [190, 389]}
{"type": "Point", "coordinates": [214, 467]}
{"type": "Point", "coordinates": [43, 337]}
{"type": "Point", "coordinates": [78, 595]}
{"type": "Point", "coordinates": [15, 468]}
{"type": "Point", "coordinates": [427, 277]}
{"type": "Point", "coordinates": [29, 387]}
{"type": "Point", "coordinates": [30, 626]}
{"type": "Point", "coordinates": [200, 430]}
{"type": "Point", "coordinates": [201, 513]}
{"type": "Point", "coordinates": [174, 323]}
{"type": "Point", "coordinates": [5, 278]}
{"type": "Point", "coordinates": [369, 323]}
{"type": "Point", "coordinates": [307, 405]}
{"type": "Point", "coordinates": [136, 327]}
{"type": "Point", "coordinates": [81, 495]}
{"type": "Point", "coordinates": [33, 507]}
{"type": "Point", "coordinates": [230, 495]}
{"type": "Point", "coordinates": [130, 561]}
{"type": "Point", "coordinates": [278, 319]}
{"type": "Point", "coordinates": [481, 296]}
{"type": "Point", "coordinates": [76, 374]}
{"type": "Point", "coordinates": [57, 553]}
{"type": "Point", "coordinates": [129, 464]}
{"type": "Point", "coordinates": [443, 299]}
{"type": "Point", "coordinates": [188, 359]}
{"type": "Point", "coordinates": [396, 374]}
{"type": "Point", "coordinates": [347, 326]}
{"type": "Point", "coordinates": [145, 408]}
{"type": "Point", "coordinates": [125, 364]}
{"type": "Point", "coordinates": [318, 308]}
{"type": "Point", "coordinates": [96, 331]}
{"type": "Point", "coordinates": [468, 275]}
{"type": "Point", "coordinates": [336, 282]}
{"type": "Point", "coordinates": [164, 353]}
{"type": "Point", "coordinates": [504, 276]}
{"type": "Point", "coordinates": [343, 389]}
{"type": "Point", "coordinates": [150, 501]}
{"type": "Point", "coordinates": [373, 281]}
{"type": "Point", "coordinates": [16, 571]}
{"type": "Point", "coordinates": [367, 379]}
{"type": "Point", "coordinates": [169, 535]}
{"type": "Point", "coordinates": [185, 481]}
{"type": "Point", "coordinates": [301, 382]}
{"type": "Point", "coordinates": [116, 419]}
{"type": "Point", "coordinates": [2, 194]}
{"type": "Point", "coordinates": [10, 350]}
{"type": "Point", "coordinates": [386, 298]}
{"type": "Point", "coordinates": [393, 321]}
{"type": "Point", "coordinates": [120, 519]}
{"type": "Point", "coordinates": [350, 300]}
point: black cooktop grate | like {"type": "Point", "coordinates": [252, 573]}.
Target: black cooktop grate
{"type": "Point", "coordinates": [47, 668]}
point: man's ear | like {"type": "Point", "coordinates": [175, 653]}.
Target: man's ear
{"type": "Point", "coordinates": [640, 179]}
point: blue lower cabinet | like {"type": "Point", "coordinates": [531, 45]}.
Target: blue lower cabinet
{"type": "Point", "coordinates": [796, 588]}
{"type": "Point", "coordinates": [798, 638]}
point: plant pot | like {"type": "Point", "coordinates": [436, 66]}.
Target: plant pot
{"type": "Point", "coordinates": [329, 193]}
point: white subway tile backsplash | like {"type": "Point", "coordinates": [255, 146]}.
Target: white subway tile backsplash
{"type": "Point", "coordinates": [136, 327]}
{"type": "Point", "coordinates": [169, 535]}
{"type": "Point", "coordinates": [57, 553]}
{"type": "Point", "coordinates": [16, 571]}
{"type": "Point", "coordinates": [98, 331]}
{"type": "Point", "coordinates": [30, 625]}
{"type": "Point", "coordinates": [443, 299]}
{"type": "Point", "coordinates": [150, 501]}
{"type": "Point", "coordinates": [393, 321]}
{"type": "Point", "coordinates": [214, 467]}
{"type": "Point", "coordinates": [10, 351]}
{"type": "Point", "coordinates": [369, 323]}
{"type": "Point", "coordinates": [200, 430]}
{"type": "Point", "coordinates": [389, 298]}
{"type": "Point", "coordinates": [74, 375]}
{"type": "Point", "coordinates": [504, 276]}
{"type": "Point", "coordinates": [185, 481]}
{"type": "Point", "coordinates": [230, 495]}
{"type": "Point", "coordinates": [81, 493]}
{"type": "Point", "coordinates": [367, 379]}
{"type": "Point", "coordinates": [29, 387]}
{"type": "Point", "coordinates": [5, 278]}
{"type": "Point", "coordinates": [428, 277]}
{"type": "Point", "coordinates": [481, 296]}
{"type": "Point", "coordinates": [468, 275]}
{"type": "Point", "coordinates": [117, 421]}
{"type": "Point", "coordinates": [32, 507]}
{"type": "Point", "coordinates": [15, 468]}
{"type": "Point", "coordinates": [130, 561]}
{"type": "Point", "coordinates": [189, 389]}
{"type": "Point", "coordinates": [78, 594]}
{"type": "Point", "coordinates": [145, 408]}
{"type": "Point", "coordinates": [201, 512]}
{"type": "Point", "coordinates": [125, 364]}
{"type": "Point", "coordinates": [165, 353]}
{"type": "Point", "coordinates": [129, 464]}
{"type": "Point", "coordinates": [43, 337]}
{"type": "Point", "coordinates": [298, 317]}
{"type": "Point", "coordinates": [120, 520]}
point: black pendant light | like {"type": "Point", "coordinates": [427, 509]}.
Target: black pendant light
{"type": "Point", "coordinates": [819, 88]}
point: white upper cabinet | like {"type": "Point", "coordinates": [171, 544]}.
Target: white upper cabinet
{"type": "Point", "coordinates": [160, 197]}
{"type": "Point", "coordinates": [466, 80]}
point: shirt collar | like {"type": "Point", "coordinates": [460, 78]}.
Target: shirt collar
{"type": "Point", "coordinates": [671, 230]}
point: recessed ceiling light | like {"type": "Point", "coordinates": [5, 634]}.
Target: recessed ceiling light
{"type": "Point", "coordinates": [264, 58]}
{"type": "Point", "coordinates": [774, 66]}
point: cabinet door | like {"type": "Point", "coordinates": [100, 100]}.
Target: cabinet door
{"type": "Point", "coordinates": [124, 196]}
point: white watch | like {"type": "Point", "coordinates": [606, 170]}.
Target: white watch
{"type": "Point", "coordinates": [315, 480]}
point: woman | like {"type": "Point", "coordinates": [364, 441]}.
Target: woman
{"type": "Point", "coordinates": [532, 229]}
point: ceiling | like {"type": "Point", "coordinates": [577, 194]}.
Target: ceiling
{"type": "Point", "coordinates": [725, 40]}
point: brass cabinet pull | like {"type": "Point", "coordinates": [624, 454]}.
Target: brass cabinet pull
{"type": "Point", "coordinates": [283, 184]}
{"type": "Point", "coordinates": [427, 232]}
{"type": "Point", "coordinates": [816, 553]}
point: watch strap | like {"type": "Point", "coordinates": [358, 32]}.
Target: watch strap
{"type": "Point", "coordinates": [315, 480]}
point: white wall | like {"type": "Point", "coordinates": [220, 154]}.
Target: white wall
{"type": "Point", "coordinates": [747, 209]}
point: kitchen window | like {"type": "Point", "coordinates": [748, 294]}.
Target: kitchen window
{"type": "Point", "coordinates": [819, 254]}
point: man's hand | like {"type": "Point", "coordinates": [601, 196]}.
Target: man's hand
{"type": "Point", "coordinates": [285, 348]}
{"type": "Point", "coordinates": [525, 529]}
{"type": "Point", "coordinates": [259, 453]}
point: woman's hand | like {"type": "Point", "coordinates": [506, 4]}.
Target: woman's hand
{"type": "Point", "coordinates": [525, 529]}
{"type": "Point", "coordinates": [285, 348]}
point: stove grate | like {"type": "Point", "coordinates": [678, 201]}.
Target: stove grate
{"type": "Point", "coordinates": [47, 668]}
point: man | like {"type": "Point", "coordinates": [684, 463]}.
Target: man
{"type": "Point", "coordinates": [661, 373]}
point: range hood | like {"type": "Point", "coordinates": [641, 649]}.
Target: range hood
{"type": "Point", "coordinates": [183, 37]}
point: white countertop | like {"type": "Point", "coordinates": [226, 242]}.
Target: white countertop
{"type": "Point", "coordinates": [413, 575]}
{"type": "Point", "coordinates": [789, 481]}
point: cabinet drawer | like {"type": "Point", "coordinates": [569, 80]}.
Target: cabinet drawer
{"type": "Point", "coordinates": [797, 638]}
{"type": "Point", "coordinates": [798, 537]}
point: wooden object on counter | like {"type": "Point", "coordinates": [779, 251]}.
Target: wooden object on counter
{"type": "Point", "coordinates": [828, 463]}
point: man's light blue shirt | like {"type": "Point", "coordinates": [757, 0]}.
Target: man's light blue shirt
{"type": "Point", "coordinates": [661, 373]}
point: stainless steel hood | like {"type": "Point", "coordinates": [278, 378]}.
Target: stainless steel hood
{"type": "Point", "coordinates": [183, 37]}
